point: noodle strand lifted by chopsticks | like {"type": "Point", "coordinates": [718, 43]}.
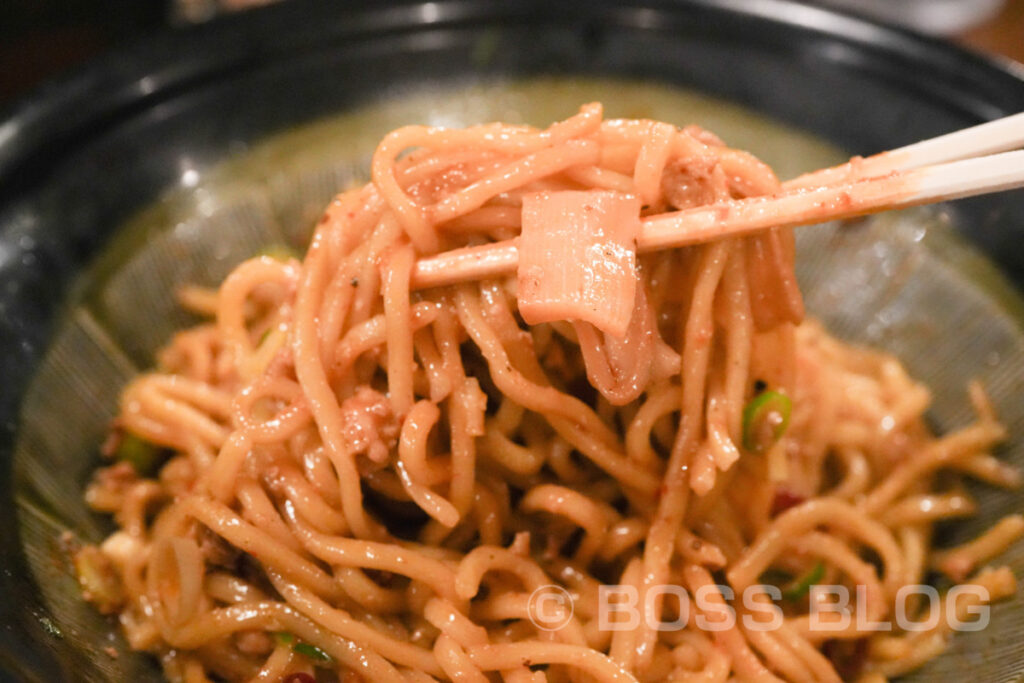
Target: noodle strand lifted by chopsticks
{"type": "Point", "coordinates": [340, 474]}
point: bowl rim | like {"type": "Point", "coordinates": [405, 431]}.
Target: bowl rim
{"type": "Point", "coordinates": [100, 92]}
{"type": "Point", "coordinates": [46, 125]}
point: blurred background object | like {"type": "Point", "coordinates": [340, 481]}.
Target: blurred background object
{"type": "Point", "coordinates": [39, 39]}
{"type": "Point", "coordinates": [936, 17]}
{"type": "Point", "coordinates": [203, 10]}
{"type": "Point", "coordinates": [1003, 34]}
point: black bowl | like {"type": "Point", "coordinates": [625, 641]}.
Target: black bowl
{"type": "Point", "coordinates": [82, 155]}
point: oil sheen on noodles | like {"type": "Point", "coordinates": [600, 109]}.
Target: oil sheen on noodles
{"type": "Point", "coordinates": [341, 477]}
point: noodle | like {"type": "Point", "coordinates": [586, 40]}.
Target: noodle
{"type": "Point", "coordinates": [342, 474]}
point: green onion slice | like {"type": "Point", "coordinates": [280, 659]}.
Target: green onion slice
{"type": "Point", "coordinates": [100, 581]}
{"type": "Point", "coordinates": [765, 420]}
{"type": "Point", "coordinates": [313, 652]}
{"type": "Point", "coordinates": [145, 457]}
{"type": "Point", "coordinates": [281, 252]}
{"type": "Point", "coordinates": [800, 587]}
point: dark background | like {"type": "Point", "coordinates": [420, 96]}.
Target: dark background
{"type": "Point", "coordinates": [42, 38]}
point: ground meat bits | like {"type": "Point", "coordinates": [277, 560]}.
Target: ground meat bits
{"type": "Point", "coordinates": [109, 486]}
{"type": "Point", "coordinates": [369, 425]}
{"type": "Point", "coordinates": [216, 551]}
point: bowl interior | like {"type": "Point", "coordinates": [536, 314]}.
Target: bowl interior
{"type": "Point", "coordinates": [903, 282]}
{"type": "Point", "coordinates": [153, 168]}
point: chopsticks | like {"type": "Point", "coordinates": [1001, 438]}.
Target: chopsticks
{"type": "Point", "coordinates": [991, 137]}
{"type": "Point", "coordinates": [897, 190]}
{"type": "Point", "coordinates": [965, 163]}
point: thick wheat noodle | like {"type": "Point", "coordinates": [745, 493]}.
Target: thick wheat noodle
{"type": "Point", "coordinates": [133, 513]}
{"type": "Point", "coordinates": [830, 548]}
{"type": "Point", "coordinates": [778, 656]}
{"type": "Point", "coordinates": [261, 514]}
{"type": "Point", "coordinates": [803, 519]}
{"type": "Point", "coordinates": [170, 419]}
{"type": "Point", "coordinates": [919, 508]}
{"type": "Point", "coordinates": [287, 480]}
{"type": "Point", "coordinates": [974, 439]}
{"type": "Point", "coordinates": [368, 554]}
{"type": "Point", "coordinates": [856, 477]}
{"type": "Point", "coordinates": [744, 662]}
{"type": "Point", "coordinates": [279, 616]}
{"type": "Point", "coordinates": [219, 480]}
{"type": "Point", "coordinates": [398, 478]}
{"type": "Point", "coordinates": [915, 541]}
{"type": "Point", "coordinates": [234, 293]}
{"type": "Point", "coordinates": [590, 515]}
{"type": "Point", "coordinates": [819, 666]}
{"type": "Point", "coordinates": [284, 423]}
{"type": "Point", "coordinates": [703, 661]}
{"type": "Point", "coordinates": [622, 647]}
{"type": "Point", "coordinates": [339, 622]}
{"type": "Point", "coordinates": [696, 346]}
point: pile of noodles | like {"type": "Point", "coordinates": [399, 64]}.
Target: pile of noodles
{"type": "Point", "coordinates": [361, 482]}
